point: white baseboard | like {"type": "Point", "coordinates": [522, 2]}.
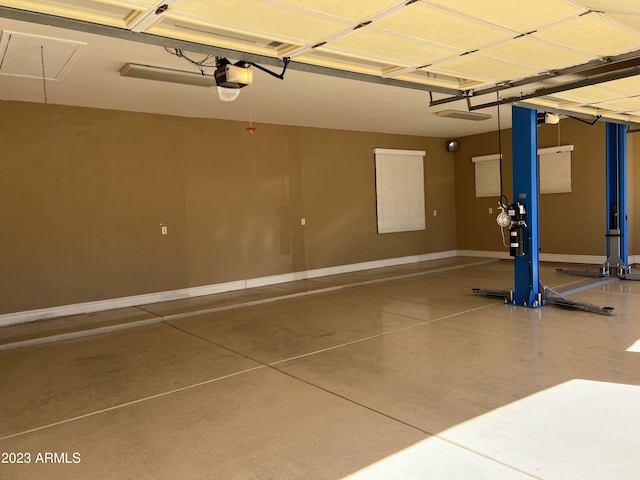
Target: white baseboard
{"type": "Point", "coordinates": [544, 257]}
{"type": "Point", "coordinates": [484, 254]}
{"type": "Point", "coordinates": [132, 301]}
{"type": "Point", "coordinates": [565, 258]}
{"type": "Point", "coordinates": [438, 255]}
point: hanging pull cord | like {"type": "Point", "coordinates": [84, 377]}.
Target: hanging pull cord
{"type": "Point", "coordinates": [502, 195]}
{"type": "Point", "coordinates": [44, 79]}
{"type": "Point", "coordinates": [504, 242]}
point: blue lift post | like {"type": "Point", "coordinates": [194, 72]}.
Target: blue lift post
{"type": "Point", "coordinates": [618, 243]}
{"type": "Point", "coordinates": [524, 124]}
{"type": "Point", "coordinates": [528, 290]}
{"type": "Point", "coordinates": [616, 266]}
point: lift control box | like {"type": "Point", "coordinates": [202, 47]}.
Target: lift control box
{"type": "Point", "coordinates": [517, 212]}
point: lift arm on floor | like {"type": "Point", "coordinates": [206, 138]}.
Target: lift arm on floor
{"type": "Point", "coordinates": [548, 297]}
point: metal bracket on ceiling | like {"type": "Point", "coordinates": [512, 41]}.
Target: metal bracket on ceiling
{"type": "Point", "coordinates": [587, 70]}
{"type": "Point", "coordinates": [593, 122]}
{"type": "Point", "coordinates": [280, 75]}
{"type": "Point", "coordinates": [462, 95]}
{"type": "Point", "coordinates": [630, 72]}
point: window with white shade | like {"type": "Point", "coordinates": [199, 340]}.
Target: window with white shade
{"type": "Point", "coordinates": [555, 169]}
{"type": "Point", "coordinates": [399, 190]}
{"type": "Point", "coordinates": [487, 175]}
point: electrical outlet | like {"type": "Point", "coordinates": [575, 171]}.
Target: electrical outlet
{"type": "Point", "coordinates": [303, 221]}
{"type": "Point", "coordinates": [490, 210]}
{"type": "Point", "coordinates": [435, 213]}
{"type": "Point", "coordinates": [163, 230]}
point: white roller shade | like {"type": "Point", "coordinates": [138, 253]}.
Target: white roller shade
{"type": "Point", "coordinates": [487, 175]}
{"type": "Point", "coordinates": [555, 169]}
{"type": "Point", "coordinates": [400, 190]}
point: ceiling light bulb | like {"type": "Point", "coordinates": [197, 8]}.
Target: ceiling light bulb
{"type": "Point", "coordinates": [227, 94]}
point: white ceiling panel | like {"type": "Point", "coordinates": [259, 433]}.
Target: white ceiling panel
{"type": "Point", "coordinates": [430, 78]}
{"type": "Point", "coordinates": [258, 16]}
{"type": "Point", "coordinates": [587, 95]}
{"type": "Point", "coordinates": [629, 86]}
{"type": "Point", "coordinates": [136, 3]}
{"type": "Point", "coordinates": [117, 14]}
{"type": "Point", "coordinates": [592, 34]}
{"type": "Point", "coordinates": [208, 34]}
{"type": "Point", "coordinates": [339, 60]}
{"type": "Point", "coordinates": [631, 21]}
{"type": "Point", "coordinates": [353, 11]}
{"type": "Point", "coordinates": [623, 105]}
{"type": "Point", "coordinates": [393, 48]}
{"type": "Point", "coordinates": [537, 55]}
{"type": "Point", "coordinates": [623, 11]}
{"type": "Point", "coordinates": [484, 68]}
{"type": "Point", "coordinates": [613, 6]}
{"type": "Point", "coordinates": [547, 102]}
{"type": "Point", "coordinates": [442, 28]}
{"type": "Point", "coordinates": [517, 15]}
{"type": "Point", "coordinates": [625, 117]}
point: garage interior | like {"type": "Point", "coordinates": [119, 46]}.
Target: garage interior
{"type": "Point", "coordinates": [200, 288]}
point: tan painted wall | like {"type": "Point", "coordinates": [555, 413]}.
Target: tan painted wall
{"type": "Point", "coordinates": [83, 193]}
{"type": "Point", "coordinates": [341, 227]}
{"type": "Point", "coordinates": [572, 223]}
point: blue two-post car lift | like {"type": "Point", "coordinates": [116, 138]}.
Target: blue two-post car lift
{"type": "Point", "coordinates": [524, 229]}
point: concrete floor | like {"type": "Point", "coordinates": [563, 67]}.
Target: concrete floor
{"type": "Point", "coordinates": [393, 373]}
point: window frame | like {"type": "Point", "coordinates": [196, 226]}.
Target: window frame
{"type": "Point", "coordinates": [400, 190]}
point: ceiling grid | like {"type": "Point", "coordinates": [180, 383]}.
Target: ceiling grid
{"type": "Point", "coordinates": [455, 44]}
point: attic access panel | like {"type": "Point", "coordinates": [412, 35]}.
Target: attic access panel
{"type": "Point", "coordinates": [22, 55]}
